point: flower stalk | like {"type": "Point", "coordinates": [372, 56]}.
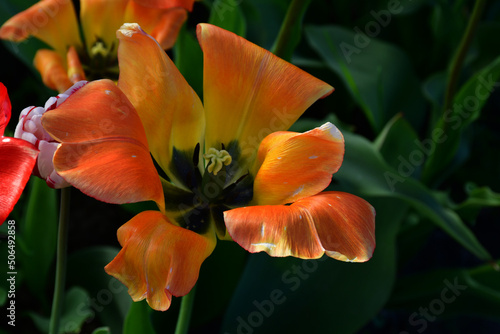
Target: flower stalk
{"type": "Point", "coordinates": [185, 312]}
{"type": "Point", "coordinates": [458, 58]}
{"type": "Point", "coordinates": [60, 280]}
{"type": "Point", "coordinates": [289, 34]}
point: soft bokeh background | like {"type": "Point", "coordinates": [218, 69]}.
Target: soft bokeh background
{"type": "Point", "coordinates": [435, 268]}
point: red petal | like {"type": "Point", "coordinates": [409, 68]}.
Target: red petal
{"type": "Point", "coordinates": [17, 159]}
{"type": "Point", "coordinates": [5, 108]}
{"type": "Point", "coordinates": [158, 259]}
{"type": "Point", "coordinates": [336, 223]}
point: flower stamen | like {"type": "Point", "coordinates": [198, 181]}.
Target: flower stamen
{"type": "Point", "coordinates": [216, 159]}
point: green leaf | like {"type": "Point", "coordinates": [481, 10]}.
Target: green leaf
{"type": "Point", "coordinates": [139, 319]}
{"type": "Point", "coordinates": [379, 76]}
{"type": "Point", "coordinates": [409, 6]}
{"type": "Point", "coordinates": [109, 298]}
{"type": "Point", "coordinates": [75, 313]}
{"type": "Point", "coordinates": [3, 295]}
{"type": "Point", "coordinates": [263, 20]}
{"type": "Point", "coordinates": [188, 58]}
{"type": "Point", "coordinates": [227, 14]}
{"type": "Point", "coordinates": [365, 172]}
{"type": "Point", "coordinates": [37, 237]}
{"type": "Point", "coordinates": [434, 89]}
{"type": "Point", "coordinates": [479, 197]}
{"type": "Point", "coordinates": [447, 22]}
{"type": "Point", "coordinates": [275, 294]}
{"type": "Point", "coordinates": [10, 8]}
{"type": "Point", "coordinates": [486, 51]}
{"type": "Point", "coordinates": [102, 330]}
{"type": "Point", "coordinates": [397, 139]}
{"type": "Point", "coordinates": [467, 106]}
{"type": "Point", "coordinates": [473, 291]}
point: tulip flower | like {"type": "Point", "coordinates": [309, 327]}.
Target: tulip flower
{"type": "Point", "coordinates": [17, 159]}
{"type": "Point", "coordinates": [224, 169]}
{"type": "Point", "coordinates": [30, 129]}
{"type": "Point", "coordinates": [73, 59]}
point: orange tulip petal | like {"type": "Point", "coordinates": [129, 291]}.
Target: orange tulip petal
{"type": "Point", "coordinates": [158, 259]}
{"type": "Point", "coordinates": [171, 112]}
{"type": "Point", "coordinates": [75, 69]}
{"type": "Point", "coordinates": [100, 20]}
{"type": "Point", "coordinates": [52, 21]}
{"type": "Point", "coordinates": [17, 159]}
{"type": "Point", "coordinates": [336, 223]}
{"type": "Point", "coordinates": [97, 110]}
{"type": "Point", "coordinates": [113, 170]}
{"type": "Point", "coordinates": [162, 24]}
{"type": "Point", "coordinates": [104, 149]}
{"type": "Point", "coordinates": [168, 27]}
{"type": "Point", "coordinates": [248, 92]}
{"type": "Point", "coordinates": [52, 69]}
{"type": "Point", "coordinates": [187, 4]}
{"type": "Point", "coordinates": [297, 165]}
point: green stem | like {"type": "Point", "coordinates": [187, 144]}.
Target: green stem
{"type": "Point", "coordinates": [431, 168]}
{"type": "Point", "coordinates": [185, 312]}
{"type": "Point", "coordinates": [284, 44]}
{"type": "Point", "coordinates": [62, 241]}
{"type": "Point", "coordinates": [458, 58]}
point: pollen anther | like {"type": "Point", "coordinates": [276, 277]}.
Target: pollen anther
{"type": "Point", "coordinates": [216, 159]}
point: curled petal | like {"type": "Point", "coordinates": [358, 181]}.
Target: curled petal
{"type": "Point", "coordinates": [297, 165]}
{"type": "Point", "coordinates": [75, 69]}
{"type": "Point", "coordinates": [52, 21]}
{"type": "Point", "coordinates": [171, 112]}
{"type": "Point", "coordinates": [45, 166]}
{"type": "Point", "coordinates": [168, 26]}
{"type": "Point", "coordinates": [104, 149]}
{"type": "Point", "coordinates": [5, 108]}
{"type": "Point", "coordinates": [248, 92]}
{"type": "Point", "coordinates": [162, 24]}
{"type": "Point", "coordinates": [158, 259]}
{"type": "Point", "coordinates": [336, 223]}
{"type": "Point", "coordinates": [52, 69]}
{"type": "Point", "coordinates": [17, 159]}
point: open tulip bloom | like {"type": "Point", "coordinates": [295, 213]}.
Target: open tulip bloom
{"type": "Point", "coordinates": [225, 168]}
{"type": "Point", "coordinates": [71, 58]}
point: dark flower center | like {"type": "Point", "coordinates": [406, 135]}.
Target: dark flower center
{"type": "Point", "coordinates": [210, 193]}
